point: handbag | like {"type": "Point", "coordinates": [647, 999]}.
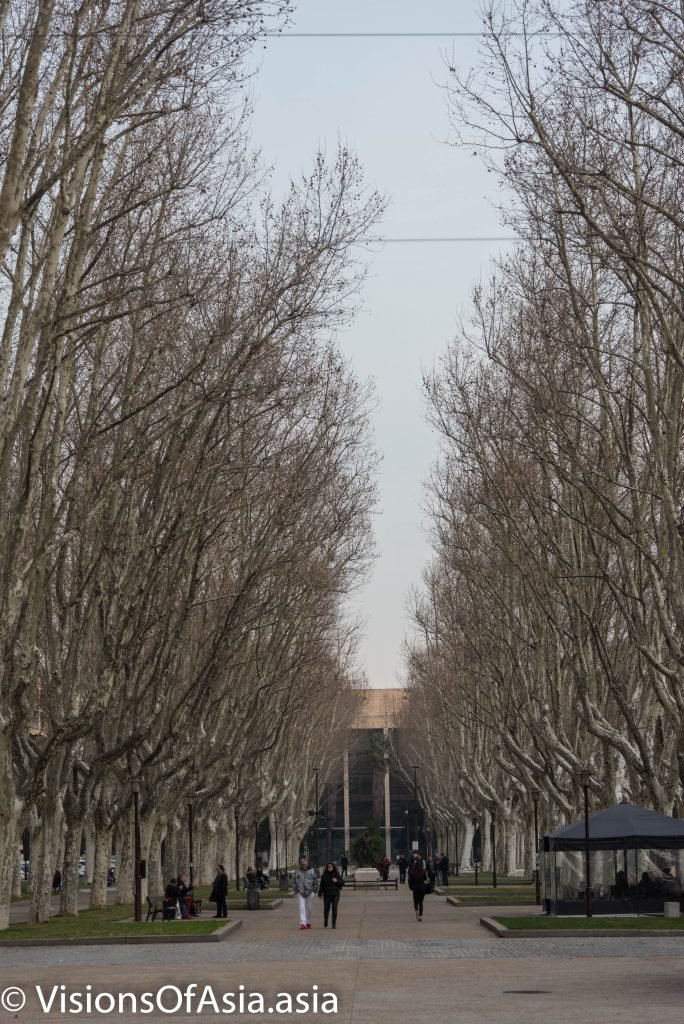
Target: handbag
{"type": "Point", "coordinates": [212, 896]}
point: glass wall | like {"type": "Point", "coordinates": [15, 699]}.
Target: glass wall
{"type": "Point", "coordinates": [622, 881]}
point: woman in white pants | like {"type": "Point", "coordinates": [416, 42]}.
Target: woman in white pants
{"type": "Point", "coordinates": [305, 888]}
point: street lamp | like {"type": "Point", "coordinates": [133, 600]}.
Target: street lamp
{"type": "Point", "coordinates": [275, 825]}
{"type": "Point", "coordinates": [237, 847]}
{"type": "Point", "coordinates": [492, 836]}
{"type": "Point", "coordinates": [190, 846]}
{"type": "Point", "coordinates": [535, 792]}
{"type": "Point", "coordinates": [256, 842]}
{"type": "Point", "coordinates": [456, 845]}
{"type": "Point", "coordinates": [584, 776]}
{"type": "Point", "coordinates": [135, 789]}
{"type": "Point", "coordinates": [287, 852]}
{"type": "Point", "coordinates": [415, 797]}
{"type": "Point", "coordinates": [318, 852]}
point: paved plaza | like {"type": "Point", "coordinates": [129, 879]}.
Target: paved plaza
{"type": "Point", "coordinates": [384, 967]}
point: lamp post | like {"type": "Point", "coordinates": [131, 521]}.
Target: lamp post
{"type": "Point", "coordinates": [287, 852]}
{"type": "Point", "coordinates": [275, 825]}
{"type": "Point", "coordinates": [584, 777]}
{"type": "Point", "coordinates": [135, 789]}
{"type": "Point", "coordinates": [237, 847]}
{"type": "Point", "coordinates": [408, 837]}
{"type": "Point", "coordinates": [190, 845]}
{"type": "Point", "coordinates": [537, 884]}
{"type": "Point", "coordinates": [256, 842]}
{"type": "Point", "coordinates": [492, 836]}
{"type": "Point", "coordinates": [456, 845]}
{"type": "Point", "coordinates": [415, 798]}
{"type": "Point", "coordinates": [318, 852]}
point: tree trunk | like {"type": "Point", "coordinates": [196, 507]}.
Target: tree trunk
{"type": "Point", "coordinates": [89, 853]}
{"type": "Point", "coordinates": [102, 844]}
{"type": "Point", "coordinates": [68, 900]}
{"type": "Point", "coordinates": [207, 854]}
{"type": "Point", "coordinates": [124, 861]}
{"type": "Point", "coordinates": [10, 810]}
{"type": "Point", "coordinates": [43, 860]}
{"type": "Point", "coordinates": [171, 848]}
{"type": "Point", "coordinates": [155, 881]}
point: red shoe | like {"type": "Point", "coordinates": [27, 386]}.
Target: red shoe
{"type": "Point", "coordinates": [302, 926]}
{"type": "Point", "coordinates": [308, 926]}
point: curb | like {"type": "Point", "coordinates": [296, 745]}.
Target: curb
{"type": "Point", "coordinates": [456, 902]}
{"type": "Point", "coordinates": [126, 940]}
{"type": "Point", "coordinates": [502, 932]}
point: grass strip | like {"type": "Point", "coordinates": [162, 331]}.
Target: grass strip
{"type": "Point", "coordinates": [556, 924]}
{"type": "Point", "coordinates": [114, 921]}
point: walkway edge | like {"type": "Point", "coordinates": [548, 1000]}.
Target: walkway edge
{"type": "Point", "coordinates": [126, 940]}
{"type": "Point", "coordinates": [502, 932]}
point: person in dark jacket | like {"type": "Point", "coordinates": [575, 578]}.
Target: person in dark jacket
{"type": "Point", "coordinates": [329, 888]}
{"type": "Point", "coordinates": [344, 861]}
{"type": "Point", "coordinates": [402, 865]}
{"type": "Point", "coordinates": [383, 867]}
{"type": "Point", "coordinates": [219, 891]}
{"type": "Point", "coordinates": [417, 882]}
{"type": "Point", "coordinates": [431, 872]}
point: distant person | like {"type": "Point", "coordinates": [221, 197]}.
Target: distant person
{"type": "Point", "coordinates": [172, 901]}
{"type": "Point", "coordinates": [646, 885]}
{"type": "Point", "coordinates": [262, 877]}
{"type": "Point", "coordinates": [329, 888]}
{"type": "Point", "coordinates": [187, 904]}
{"type": "Point", "coordinates": [431, 872]}
{"type": "Point", "coordinates": [621, 887]}
{"type": "Point", "coordinates": [219, 891]}
{"type": "Point", "coordinates": [417, 883]}
{"type": "Point", "coordinates": [444, 868]}
{"type": "Point", "coordinates": [111, 877]}
{"type": "Point", "coordinates": [57, 881]}
{"type": "Point", "coordinates": [344, 864]}
{"type": "Point", "coordinates": [402, 865]}
{"type": "Point", "coordinates": [670, 880]}
{"type": "Point", "coordinates": [383, 867]}
{"type": "Point", "coordinates": [304, 885]}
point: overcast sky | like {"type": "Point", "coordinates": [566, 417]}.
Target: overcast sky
{"type": "Point", "coordinates": [384, 98]}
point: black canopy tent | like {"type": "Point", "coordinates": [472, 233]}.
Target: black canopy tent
{"type": "Point", "coordinates": [637, 858]}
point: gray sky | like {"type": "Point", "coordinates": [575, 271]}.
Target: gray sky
{"type": "Point", "coordinates": [382, 97]}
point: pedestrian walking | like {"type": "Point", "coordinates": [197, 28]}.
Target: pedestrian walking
{"type": "Point", "coordinates": [417, 883]}
{"type": "Point", "coordinates": [402, 865]}
{"type": "Point", "coordinates": [329, 888]}
{"type": "Point", "coordinates": [431, 872]}
{"type": "Point", "coordinates": [344, 864]}
{"type": "Point", "coordinates": [383, 867]}
{"type": "Point", "coordinates": [304, 884]}
{"type": "Point", "coordinates": [444, 868]}
{"type": "Point", "coordinates": [219, 891]}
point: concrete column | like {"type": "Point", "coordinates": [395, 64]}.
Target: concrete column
{"type": "Point", "coordinates": [345, 772]}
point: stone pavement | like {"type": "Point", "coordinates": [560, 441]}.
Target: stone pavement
{"type": "Point", "coordinates": [385, 967]}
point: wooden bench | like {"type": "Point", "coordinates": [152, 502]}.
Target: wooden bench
{"type": "Point", "coordinates": [155, 905]}
{"type": "Point", "coordinates": [370, 883]}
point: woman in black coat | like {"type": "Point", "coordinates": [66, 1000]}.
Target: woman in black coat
{"type": "Point", "coordinates": [219, 891]}
{"type": "Point", "coordinates": [417, 881]}
{"type": "Point", "coordinates": [329, 888]}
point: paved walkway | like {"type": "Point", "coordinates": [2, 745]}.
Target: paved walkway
{"type": "Point", "coordinates": [385, 967]}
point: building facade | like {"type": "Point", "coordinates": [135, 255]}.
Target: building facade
{"type": "Point", "coordinates": [368, 786]}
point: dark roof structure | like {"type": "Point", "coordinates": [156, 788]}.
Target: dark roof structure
{"type": "Point", "coordinates": [623, 827]}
